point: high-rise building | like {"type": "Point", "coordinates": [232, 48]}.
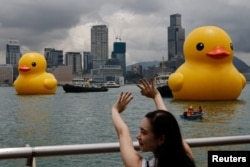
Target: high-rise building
{"type": "Point", "coordinates": [6, 74]}
{"type": "Point", "coordinates": [13, 52]}
{"type": "Point", "coordinates": [119, 52]}
{"type": "Point", "coordinates": [74, 59]}
{"type": "Point", "coordinates": [53, 57]}
{"type": "Point", "coordinates": [13, 55]}
{"type": "Point", "coordinates": [99, 45]}
{"type": "Point", "coordinates": [176, 37]}
{"type": "Point", "coordinates": [87, 62]}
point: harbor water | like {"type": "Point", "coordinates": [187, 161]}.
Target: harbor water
{"type": "Point", "coordinates": [85, 118]}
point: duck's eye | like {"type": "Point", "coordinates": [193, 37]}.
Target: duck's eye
{"type": "Point", "coordinates": [33, 64]}
{"type": "Point", "coordinates": [200, 46]}
{"type": "Point", "coordinates": [231, 46]}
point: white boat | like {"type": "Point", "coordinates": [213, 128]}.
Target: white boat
{"type": "Point", "coordinates": [161, 80]}
{"type": "Point", "coordinates": [162, 77]}
{"type": "Point", "coordinates": [161, 83]}
{"type": "Point", "coordinates": [110, 84]}
{"type": "Point", "coordinates": [84, 82]}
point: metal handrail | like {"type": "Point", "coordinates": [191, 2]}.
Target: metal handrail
{"type": "Point", "coordinates": [59, 150]}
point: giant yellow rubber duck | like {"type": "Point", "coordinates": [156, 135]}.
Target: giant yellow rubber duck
{"type": "Point", "coordinates": [208, 72]}
{"type": "Point", "coordinates": [33, 78]}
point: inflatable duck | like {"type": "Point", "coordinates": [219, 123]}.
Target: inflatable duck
{"type": "Point", "coordinates": [208, 72]}
{"type": "Point", "coordinates": [33, 78]}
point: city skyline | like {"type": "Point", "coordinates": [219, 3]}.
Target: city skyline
{"type": "Point", "coordinates": [141, 24]}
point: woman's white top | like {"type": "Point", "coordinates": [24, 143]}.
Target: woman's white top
{"type": "Point", "coordinates": [151, 162]}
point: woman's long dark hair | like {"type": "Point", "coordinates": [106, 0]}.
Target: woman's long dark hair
{"type": "Point", "coordinates": [172, 151]}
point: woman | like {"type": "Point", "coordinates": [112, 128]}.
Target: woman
{"type": "Point", "coordinates": [159, 133]}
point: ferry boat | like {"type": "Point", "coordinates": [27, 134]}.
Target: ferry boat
{"type": "Point", "coordinates": [110, 84]}
{"type": "Point", "coordinates": [83, 85]}
{"type": "Point", "coordinates": [161, 79]}
{"type": "Point", "coordinates": [161, 83]}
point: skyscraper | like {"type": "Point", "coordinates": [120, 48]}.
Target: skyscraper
{"type": "Point", "coordinates": [74, 59]}
{"type": "Point", "coordinates": [119, 53]}
{"type": "Point", "coordinates": [99, 45]}
{"type": "Point", "coordinates": [13, 55]}
{"type": "Point", "coordinates": [53, 57]}
{"type": "Point", "coordinates": [87, 62]}
{"type": "Point", "coordinates": [176, 37]}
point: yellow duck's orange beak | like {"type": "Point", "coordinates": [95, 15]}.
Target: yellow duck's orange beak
{"type": "Point", "coordinates": [218, 52]}
{"type": "Point", "coordinates": [24, 68]}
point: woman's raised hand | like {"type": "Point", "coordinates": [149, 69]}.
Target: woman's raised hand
{"type": "Point", "coordinates": [148, 88]}
{"type": "Point", "coordinates": [122, 102]}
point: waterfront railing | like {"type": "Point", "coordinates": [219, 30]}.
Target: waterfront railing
{"type": "Point", "coordinates": [31, 153]}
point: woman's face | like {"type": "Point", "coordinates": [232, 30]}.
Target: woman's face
{"type": "Point", "coordinates": [146, 138]}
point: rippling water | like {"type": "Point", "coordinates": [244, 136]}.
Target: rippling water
{"type": "Point", "coordinates": [85, 118]}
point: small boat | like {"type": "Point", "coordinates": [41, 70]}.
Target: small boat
{"type": "Point", "coordinates": [82, 85]}
{"type": "Point", "coordinates": [110, 84]}
{"type": "Point", "coordinates": [190, 114]}
{"type": "Point", "coordinates": [194, 116]}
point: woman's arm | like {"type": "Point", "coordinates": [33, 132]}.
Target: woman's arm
{"type": "Point", "coordinates": [129, 155]}
{"type": "Point", "coordinates": [188, 149]}
{"type": "Point", "coordinates": [148, 89]}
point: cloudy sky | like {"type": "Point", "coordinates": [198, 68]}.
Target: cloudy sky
{"type": "Point", "coordinates": [142, 24]}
